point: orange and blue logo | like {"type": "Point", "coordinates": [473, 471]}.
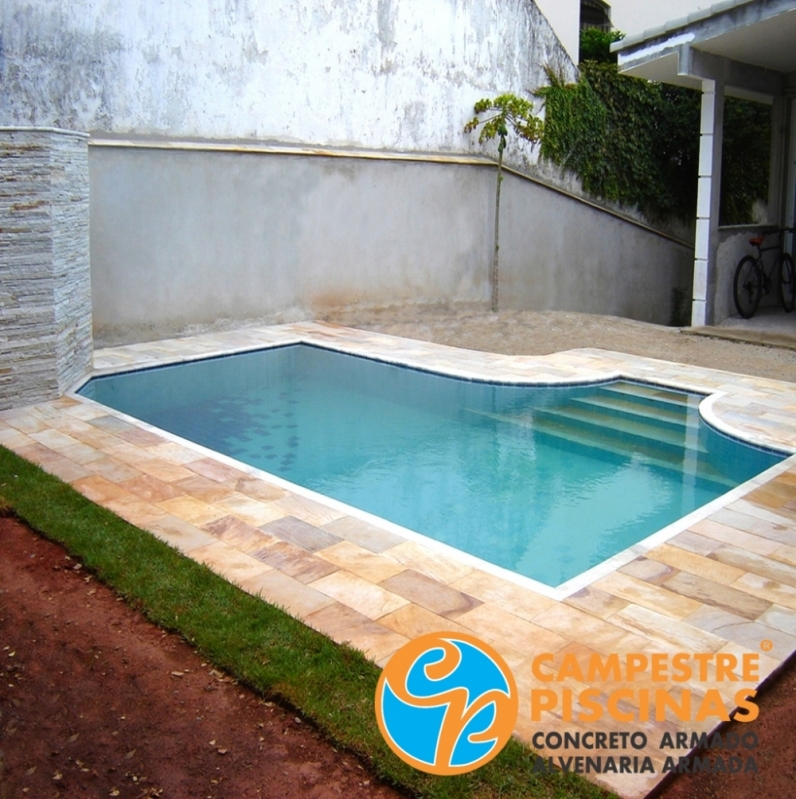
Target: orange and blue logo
{"type": "Point", "coordinates": [446, 703]}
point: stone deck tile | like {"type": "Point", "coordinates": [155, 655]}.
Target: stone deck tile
{"type": "Point", "coordinates": [717, 586]}
{"type": "Point", "coordinates": [597, 634]}
{"type": "Point", "coordinates": [694, 542]}
{"type": "Point", "coordinates": [249, 510]}
{"type": "Point", "coordinates": [724, 534]}
{"type": "Point", "coordinates": [776, 520]}
{"type": "Point", "coordinates": [180, 534]}
{"type": "Point", "coordinates": [752, 523]}
{"type": "Point", "coordinates": [732, 627]}
{"type": "Point", "coordinates": [430, 594]}
{"type": "Point", "coordinates": [371, 600]}
{"type": "Point", "coordinates": [13, 438]}
{"type": "Point", "coordinates": [229, 562]}
{"type": "Point", "coordinates": [155, 467]}
{"type": "Point", "coordinates": [346, 626]}
{"type": "Point", "coordinates": [433, 564]}
{"type": "Point", "coordinates": [192, 510]}
{"type": "Point", "coordinates": [67, 470]}
{"type": "Point", "coordinates": [658, 627]}
{"type": "Point", "coordinates": [98, 489]}
{"type": "Point", "coordinates": [364, 534]}
{"type": "Point", "coordinates": [718, 595]}
{"type": "Point", "coordinates": [785, 554]}
{"type": "Point", "coordinates": [496, 625]}
{"type": "Point", "coordinates": [651, 571]}
{"type": "Point", "coordinates": [203, 488]}
{"type": "Point", "coordinates": [307, 509]}
{"type": "Point", "coordinates": [647, 595]}
{"type": "Point", "coordinates": [752, 562]}
{"type": "Point", "coordinates": [770, 590]}
{"type": "Point", "coordinates": [238, 534]}
{"type": "Point", "coordinates": [112, 469]}
{"type": "Point", "coordinates": [292, 595]}
{"type": "Point", "coordinates": [213, 470]}
{"type": "Point", "coordinates": [513, 598]}
{"type": "Point", "coordinates": [301, 533]}
{"type": "Point", "coordinates": [136, 511]}
{"type": "Point", "coordinates": [150, 488]}
{"type": "Point", "coordinates": [596, 602]}
{"type": "Point", "coordinates": [687, 561]}
{"type": "Point", "coordinates": [412, 621]}
{"type": "Point", "coordinates": [294, 561]}
{"type": "Point", "coordinates": [362, 562]}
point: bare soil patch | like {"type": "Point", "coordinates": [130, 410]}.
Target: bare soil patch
{"type": "Point", "coordinates": [545, 332]}
{"type": "Point", "coordinates": [95, 701]}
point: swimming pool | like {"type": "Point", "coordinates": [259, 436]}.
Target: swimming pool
{"type": "Point", "coordinates": [546, 482]}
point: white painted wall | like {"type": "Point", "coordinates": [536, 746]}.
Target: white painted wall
{"type": "Point", "coordinates": [636, 16]}
{"type": "Point", "coordinates": [564, 18]}
{"type": "Point", "coordinates": [392, 74]}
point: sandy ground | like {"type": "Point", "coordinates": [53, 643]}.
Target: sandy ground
{"type": "Point", "coordinates": [544, 332]}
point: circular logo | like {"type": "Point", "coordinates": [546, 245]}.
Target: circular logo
{"type": "Point", "coordinates": [446, 703]}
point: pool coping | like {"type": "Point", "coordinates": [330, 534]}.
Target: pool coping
{"type": "Point", "coordinates": [109, 457]}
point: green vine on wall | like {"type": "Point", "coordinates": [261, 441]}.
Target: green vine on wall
{"type": "Point", "coordinates": [637, 143]}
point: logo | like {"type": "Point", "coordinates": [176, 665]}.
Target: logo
{"type": "Point", "coordinates": [446, 703]}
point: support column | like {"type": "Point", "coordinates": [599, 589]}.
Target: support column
{"type": "Point", "coordinates": [778, 169]}
{"type": "Point", "coordinates": [790, 181]}
{"type": "Point", "coordinates": [709, 193]}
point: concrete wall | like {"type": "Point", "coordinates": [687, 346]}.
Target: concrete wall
{"type": "Point", "coordinates": [391, 74]}
{"type": "Point", "coordinates": [185, 238]}
{"type": "Point", "coordinates": [560, 254]}
{"type": "Point", "coordinates": [564, 18]}
{"type": "Point", "coordinates": [45, 305]}
{"type": "Point", "coordinates": [636, 16]}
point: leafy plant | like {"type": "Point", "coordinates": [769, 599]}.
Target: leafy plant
{"type": "Point", "coordinates": [637, 143]}
{"type": "Point", "coordinates": [507, 111]}
{"type": "Point", "coordinates": [595, 45]}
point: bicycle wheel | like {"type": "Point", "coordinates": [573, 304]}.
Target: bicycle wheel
{"type": "Point", "coordinates": [747, 287]}
{"type": "Point", "coordinates": [787, 281]}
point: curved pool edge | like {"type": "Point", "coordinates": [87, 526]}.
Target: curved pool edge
{"type": "Point", "coordinates": [595, 377]}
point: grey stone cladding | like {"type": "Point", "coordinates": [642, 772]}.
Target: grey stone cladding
{"type": "Point", "coordinates": [45, 291]}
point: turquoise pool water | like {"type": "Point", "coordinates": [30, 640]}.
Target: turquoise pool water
{"type": "Point", "coordinates": [546, 482]}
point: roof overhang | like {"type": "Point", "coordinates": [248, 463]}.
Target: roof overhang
{"type": "Point", "coordinates": [749, 46]}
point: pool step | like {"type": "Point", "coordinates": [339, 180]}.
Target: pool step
{"type": "Point", "coordinates": [629, 432]}
{"type": "Point", "coordinates": [616, 407]}
{"type": "Point", "coordinates": [648, 394]}
{"type": "Point", "coordinates": [559, 432]}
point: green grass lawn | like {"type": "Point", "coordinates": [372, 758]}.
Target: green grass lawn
{"type": "Point", "coordinates": [260, 645]}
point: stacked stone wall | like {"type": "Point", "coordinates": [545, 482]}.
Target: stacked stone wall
{"type": "Point", "coordinates": [45, 294]}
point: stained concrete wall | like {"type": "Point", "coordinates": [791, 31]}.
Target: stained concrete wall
{"type": "Point", "coordinates": [184, 238]}
{"type": "Point", "coordinates": [557, 253]}
{"type": "Point", "coordinates": [383, 74]}
{"type": "Point", "coordinates": [45, 304]}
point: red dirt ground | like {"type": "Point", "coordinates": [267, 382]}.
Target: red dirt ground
{"type": "Point", "coordinates": [97, 702]}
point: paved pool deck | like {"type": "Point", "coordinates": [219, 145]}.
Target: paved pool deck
{"type": "Point", "coordinates": [721, 581]}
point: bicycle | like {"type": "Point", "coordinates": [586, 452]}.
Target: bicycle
{"type": "Point", "coordinates": [751, 281]}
